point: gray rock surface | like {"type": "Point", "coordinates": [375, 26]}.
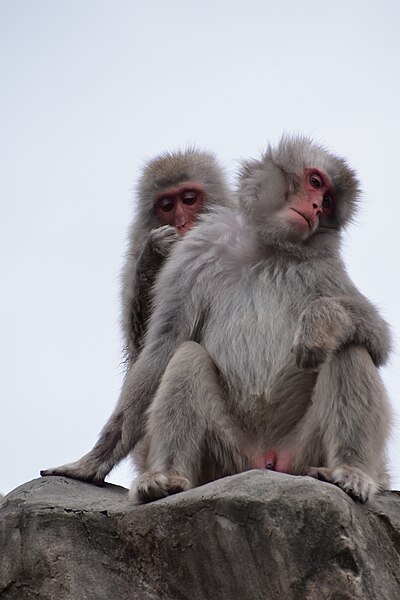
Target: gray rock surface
{"type": "Point", "coordinates": [255, 536]}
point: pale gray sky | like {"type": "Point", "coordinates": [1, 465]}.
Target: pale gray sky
{"type": "Point", "coordinates": [91, 88]}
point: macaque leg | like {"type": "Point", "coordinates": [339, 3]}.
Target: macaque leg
{"type": "Point", "coordinates": [289, 401]}
{"type": "Point", "coordinates": [350, 418]}
{"type": "Point", "coordinates": [96, 464]}
{"type": "Point", "coordinates": [121, 432]}
{"type": "Point", "coordinates": [188, 426]}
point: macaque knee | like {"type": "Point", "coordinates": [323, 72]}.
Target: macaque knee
{"type": "Point", "coordinates": [357, 355]}
{"type": "Point", "coordinates": [190, 351]}
{"type": "Point", "coordinates": [191, 359]}
{"type": "Point", "coordinates": [353, 368]}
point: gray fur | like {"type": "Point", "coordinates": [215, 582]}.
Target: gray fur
{"type": "Point", "coordinates": [150, 241]}
{"type": "Point", "coordinates": [258, 340]}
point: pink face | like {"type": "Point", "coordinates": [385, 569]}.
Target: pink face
{"type": "Point", "coordinates": [315, 198]}
{"type": "Point", "coordinates": [178, 206]}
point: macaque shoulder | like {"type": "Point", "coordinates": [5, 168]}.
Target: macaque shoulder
{"type": "Point", "coordinates": [223, 235]}
{"type": "Point", "coordinates": [219, 246]}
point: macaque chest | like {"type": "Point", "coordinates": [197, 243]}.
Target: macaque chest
{"type": "Point", "coordinates": [248, 317]}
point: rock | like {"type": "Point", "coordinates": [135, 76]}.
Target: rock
{"type": "Point", "coordinates": [259, 535]}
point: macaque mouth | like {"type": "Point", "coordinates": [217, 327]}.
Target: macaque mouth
{"type": "Point", "coordinates": [301, 214]}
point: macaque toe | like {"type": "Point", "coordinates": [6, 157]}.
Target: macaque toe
{"type": "Point", "coordinates": [355, 482]}
{"type": "Point", "coordinates": [49, 472]}
{"type": "Point", "coordinates": [309, 357]}
{"type": "Point", "coordinates": [75, 471]}
{"type": "Point", "coordinates": [155, 485]}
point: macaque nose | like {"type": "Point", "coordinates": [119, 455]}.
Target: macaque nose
{"type": "Point", "coordinates": [180, 219]}
{"type": "Point", "coordinates": [317, 206]}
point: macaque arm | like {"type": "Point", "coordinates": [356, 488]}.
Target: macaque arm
{"type": "Point", "coordinates": [329, 323]}
{"type": "Point", "coordinates": [139, 278]}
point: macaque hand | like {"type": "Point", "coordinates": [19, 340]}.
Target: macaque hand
{"type": "Point", "coordinates": [162, 239]}
{"type": "Point", "coordinates": [309, 357]}
{"type": "Point", "coordinates": [323, 327]}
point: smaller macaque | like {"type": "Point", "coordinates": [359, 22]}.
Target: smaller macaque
{"type": "Point", "coordinates": [174, 189]}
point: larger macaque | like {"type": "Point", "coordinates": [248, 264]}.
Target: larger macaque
{"type": "Point", "coordinates": [260, 350]}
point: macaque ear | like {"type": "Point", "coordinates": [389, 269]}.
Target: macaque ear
{"type": "Point", "coordinates": [347, 192]}
{"type": "Point", "coordinates": [249, 182]}
{"type": "Point", "coordinates": [262, 186]}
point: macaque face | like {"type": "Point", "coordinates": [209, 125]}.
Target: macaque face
{"type": "Point", "coordinates": [178, 206]}
{"type": "Point", "coordinates": [314, 201]}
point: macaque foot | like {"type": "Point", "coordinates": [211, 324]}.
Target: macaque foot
{"type": "Point", "coordinates": [357, 484]}
{"type": "Point", "coordinates": [155, 485]}
{"type": "Point", "coordinates": [77, 470]}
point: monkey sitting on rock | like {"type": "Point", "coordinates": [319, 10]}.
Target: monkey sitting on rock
{"type": "Point", "coordinates": [260, 351]}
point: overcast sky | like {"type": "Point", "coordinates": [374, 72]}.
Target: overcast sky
{"type": "Point", "coordinates": [92, 88]}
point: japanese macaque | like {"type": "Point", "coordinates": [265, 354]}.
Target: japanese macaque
{"type": "Point", "coordinates": [260, 351]}
{"type": "Point", "coordinates": [173, 190]}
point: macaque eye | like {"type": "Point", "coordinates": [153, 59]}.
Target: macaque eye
{"type": "Point", "coordinates": [327, 202]}
{"type": "Point", "coordinates": [166, 204]}
{"type": "Point", "coordinates": [316, 181]}
{"type": "Point", "coordinates": [189, 198]}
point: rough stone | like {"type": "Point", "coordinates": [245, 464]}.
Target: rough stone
{"type": "Point", "coordinates": [255, 536]}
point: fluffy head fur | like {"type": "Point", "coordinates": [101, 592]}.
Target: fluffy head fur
{"type": "Point", "coordinates": [172, 168]}
{"type": "Point", "coordinates": [279, 172]}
